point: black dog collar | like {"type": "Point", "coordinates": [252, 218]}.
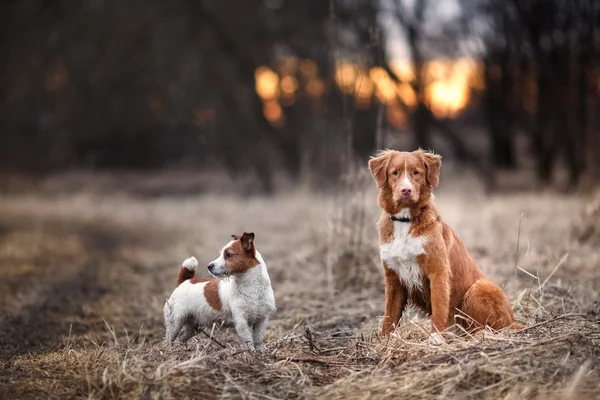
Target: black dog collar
{"type": "Point", "coordinates": [399, 219]}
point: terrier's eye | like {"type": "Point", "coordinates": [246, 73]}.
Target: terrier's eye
{"type": "Point", "coordinates": [394, 172]}
{"type": "Point", "coordinates": [228, 254]}
{"type": "Point", "coordinates": [415, 172]}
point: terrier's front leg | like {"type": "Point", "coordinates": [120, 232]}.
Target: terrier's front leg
{"type": "Point", "coordinates": [186, 333]}
{"type": "Point", "coordinates": [259, 333]}
{"type": "Point", "coordinates": [243, 329]}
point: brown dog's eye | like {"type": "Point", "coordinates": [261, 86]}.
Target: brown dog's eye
{"type": "Point", "coordinates": [395, 173]}
{"type": "Point", "coordinates": [228, 254]}
{"type": "Point", "coordinates": [415, 172]}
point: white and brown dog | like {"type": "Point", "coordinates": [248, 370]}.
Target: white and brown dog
{"type": "Point", "coordinates": [244, 300]}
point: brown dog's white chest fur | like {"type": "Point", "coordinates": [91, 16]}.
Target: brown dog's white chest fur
{"type": "Point", "coordinates": [401, 251]}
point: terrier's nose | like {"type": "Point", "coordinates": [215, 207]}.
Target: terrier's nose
{"type": "Point", "coordinates": [210, 267]}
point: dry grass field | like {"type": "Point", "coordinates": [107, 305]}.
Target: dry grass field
{"type": "Point", "coordinates": [85, 271]}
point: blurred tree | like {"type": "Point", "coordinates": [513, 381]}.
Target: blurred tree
{"type": "Point", "coordinates": [541, 61]}
{"type": "Point", "coordinates": [144, 84]}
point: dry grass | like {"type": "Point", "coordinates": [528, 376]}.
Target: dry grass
{"type": "Point", "coordinates": [84, 276]}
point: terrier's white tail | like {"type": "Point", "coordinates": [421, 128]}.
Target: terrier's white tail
{"type": "Point", "coordinates": [188, 270]}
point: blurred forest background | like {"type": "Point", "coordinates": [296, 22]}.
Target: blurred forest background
{"type": "Point", "coordinates": [306, 87]}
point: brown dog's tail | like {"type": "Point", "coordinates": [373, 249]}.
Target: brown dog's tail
{"type": "Point", "coordinates": [188, 270]}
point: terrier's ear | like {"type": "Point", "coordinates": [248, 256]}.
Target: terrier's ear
{"type": "Point", "coordinates": [247, 240]}
{"type": "Point", "coordinates": [235, 237]}
{"type": "Point", "coordinates": [378, 165]}
{"type": "Point", "coordinates": [433, 164]}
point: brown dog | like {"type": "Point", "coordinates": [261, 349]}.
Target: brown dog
{"type": "Point", "coordinates": [424, 261]}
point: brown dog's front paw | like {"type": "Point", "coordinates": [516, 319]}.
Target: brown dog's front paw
{"type": "Point", "coordinates": [386, 329]}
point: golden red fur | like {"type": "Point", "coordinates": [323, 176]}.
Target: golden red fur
{"type": "Point", "coordinates": [452, 283]}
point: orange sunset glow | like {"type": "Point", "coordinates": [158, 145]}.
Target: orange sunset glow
{"type": "Point", "coordinates": [448, 86]}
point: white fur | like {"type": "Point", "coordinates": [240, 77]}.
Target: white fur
{"type": "Point", "coordinates": [219, 263]}
{"type": "Point", "coordinates": [406, 182]}
{"type": "Point", "coordinates": [190, 263]}
{"type": "Point", "coordinates": [400, 253]}
{"type": "Point", "coordinates": [247, 302]}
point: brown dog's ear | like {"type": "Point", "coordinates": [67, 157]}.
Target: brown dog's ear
{"type": "Point", "coordinates": [247, 240]}
{"type": "Point", "coordinates": [378, 165]}
{"type": "Point", "coordinates": [235, 237]}
{"type": "Point", "coordinates": [433, 164]}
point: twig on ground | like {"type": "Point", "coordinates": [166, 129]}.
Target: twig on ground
{"type": "Point", "coordinates": [311, 343]}
{"type": "Point", "coordinates": [560, 263]}
{"type": "Point", "coordinates": [333, 350]}
{"type": "Point", "coordinates": [285, 338]}
{"type": "Point", "coordinates": [529, 297]}
{"type": "Point", "coordinates": [214, 339]}
{"type": "Point", "coordinates": [570, 391]}
{"type": "Point", "coordinates": [328, 361]}
{"type": "Point", "coordinates": [518, 241]}
{"type": "Point", "coordinates": [112, 332]}
{"type": "Point", "coordinates": [552, 320]}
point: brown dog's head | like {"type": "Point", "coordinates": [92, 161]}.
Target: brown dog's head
{"type": "Point", "coordinates": [237, 257]}
{"type": "Point", "coordinates": [404, 179]}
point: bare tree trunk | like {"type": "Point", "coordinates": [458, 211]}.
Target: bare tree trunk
{"type": "Point", "coordinates": [590, 16]}
{"type": "Point", "coordinates": [421, 116]}
{"type": "Point", "coordinates": [543, 138]}
{"type": "Point", "coordinates": [499, 115]}
{"type": "Point", "coordinates": [505, 141]}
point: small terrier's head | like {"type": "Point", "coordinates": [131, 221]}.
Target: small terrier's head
{"type": "Point", "coordinates": [404, 179]}
{"type": "Point", "coordinates": [237, 257]}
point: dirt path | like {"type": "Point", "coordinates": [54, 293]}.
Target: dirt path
{"type": "Point", "coordinates": [55, 276]}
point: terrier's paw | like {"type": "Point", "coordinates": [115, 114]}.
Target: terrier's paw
{"type": "Point", "coordinates": [260, 347]}
{"type": "Point", "coordinates": [190, 263]}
